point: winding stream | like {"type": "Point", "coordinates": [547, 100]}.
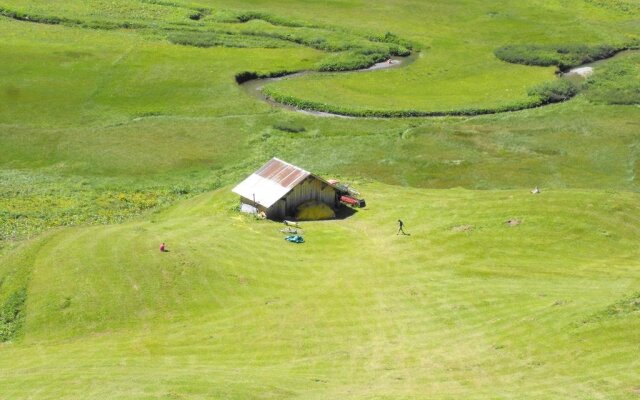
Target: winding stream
{"type": "Point", "coordinates": [254, 86]}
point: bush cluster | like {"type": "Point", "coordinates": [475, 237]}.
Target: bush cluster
{"type": "Point", "coordinates": [392, 38]}
{"type": "Point", "coordinates": [50, 20]}
{"type": "Point", "coordinates": [222, 39]}
{"type": "Point", "coordinates": [347, 53]}
{"type": "Point", "coordinates": [554, 91]}
{"type": "Point", "coordinates": [615, 83]}
{"type": "Point", "coordinates": [562, 56]}
{"type": "Point", "coordinates": [350, 51]}
{"type": "Point", "coordinates": [246, 76]}
{"type": "Point", "coordinates": [11, 313]}
{"type": "Point", "coordinates": [353, 52]}
{"type": "Point", "coordinates": [53, 20]}
{"type": "Point", "coordinates": [309, 105]}
{"type": "Point", "coordinates": [349, 61]}
{"type": "Point", "coordinates": [290, 127]}
{"type": "Point", "coordinates": [624, 6]}
{"type": "Point", "coordinates": [246, 16]}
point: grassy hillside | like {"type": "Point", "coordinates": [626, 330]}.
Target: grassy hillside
{"type": "Point", "coordinates": [122, 125]}
{"type": "Point", "coordinates": [467, 306]}
{"type": "Point", "coordinates": [100, 104]}
{"type": "Point", "coordinates": [457, 68]}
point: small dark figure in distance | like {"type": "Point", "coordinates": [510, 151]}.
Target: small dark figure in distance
{"type": "Point", "coordinates": [401, 228]}
{"type": "Point", "coordinates": [162, 247]}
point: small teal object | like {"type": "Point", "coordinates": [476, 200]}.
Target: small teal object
{"type": "Point", "coordinates": [294, 239]}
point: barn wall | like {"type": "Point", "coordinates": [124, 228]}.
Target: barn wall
{"type": "Point", "coordinates": [309, 189]}
{"type": "Point", "coordinates": [278, 210]}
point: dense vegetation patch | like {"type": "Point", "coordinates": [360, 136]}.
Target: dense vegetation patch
{"type": "Point", "coordinates": [238, 16]}
{"type": "Point", "coordinates": [564, 56]}
{"type": "Point", "coordinates": [616, 83]}
{"type": "Point", "coordinates": [546, 93]}
{"type": "Point", "coordinates": [225, 39]}
{"type": "Point", "coordinates": [225, 28]}
{"type": "Point", "coordinates": [57, 20]}
{"type": "Point", "coordinates": [31, 203]}
{"type": "Point", "coordinates": [12, 314]}
{"type": "Point", "coordinates": [289, 126]}
{"type": "Point", "coordinates": [624, 6]}
{"type": "Point", "coordinates": [554, 91]}
{"type": "Point", "coordinates": [627, 306]}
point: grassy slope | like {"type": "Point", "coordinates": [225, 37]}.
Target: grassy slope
{"type": "Point", "coordinates": [357, 312]}
{"type": "Point", "coordinates": [457, 68]}
{"type": "Point", "coordinates": [88, 116]}
{"type": "Point", "coordinates": [59, 71]}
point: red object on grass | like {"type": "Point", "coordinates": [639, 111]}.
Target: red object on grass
{"type": "Point", "coordinates": [353, 202]}
{"type": "Point", "coordinates": [162, 247]}
{"type": "Point", "coordinates": [349, 200]}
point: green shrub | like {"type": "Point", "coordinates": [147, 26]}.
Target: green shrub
{"type": "Point", "coordinates": [11, 314]}
{"type": "Point", "coordinates": [308, 105]}
{"type": "Point", "coordinates": [324, 38]}
{"type": "Point", "coordinates": [624, 6]}
{"type": "Point", "coordinates": [246, 16]}
{"type": "Point", "coordinates": [223, 39]}
{"type": "Point", "coordinates": [290, 127]}
{"type": "Point", "coordinates": [20, 16]}
{"type": "Point", "coordinates": [554, 91]}
{"type": "Point", "coordinates": [615, 83]}
{"type": "Point", "coordinates": [356, 51]}
{"type": "Point", "coordinates": [624, 307]}
{"type": "Point", "coordinates": [196, 39]}
{"type": "Point", "coordinates": [350, 61]}
{"type": "Point", "coordinates": [246, 76]}
{"type": "Point", "coordinates": [54, 20]}
{"type": "Point", "coordinates": [392, 38]}
{"type": "Point", "coordinates": [564, 56]}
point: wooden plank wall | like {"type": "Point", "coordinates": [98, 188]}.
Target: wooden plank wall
{"type": "Point", "coordinates": [309, 189]}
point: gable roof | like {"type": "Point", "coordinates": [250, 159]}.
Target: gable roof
{"type": "Point", "coordinates": [271, 182]}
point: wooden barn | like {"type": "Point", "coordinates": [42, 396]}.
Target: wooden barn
{"type": "Point", "coordinates": [279, 188]}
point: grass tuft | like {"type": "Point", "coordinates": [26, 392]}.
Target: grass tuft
{"type": "Point", "coordinates": [291, 127]}
{"type": "Point", "coordinates": [12, 314]}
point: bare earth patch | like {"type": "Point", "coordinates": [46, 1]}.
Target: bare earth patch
{"type": "Point", "coordinates": [462, 228]}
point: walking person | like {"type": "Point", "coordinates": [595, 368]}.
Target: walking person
{"type": "Point", "coordinates": [401, 228]}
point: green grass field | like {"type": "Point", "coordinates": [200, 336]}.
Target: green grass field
{"type": "Point", "coordinates": [122, 126]}
{"type": "Point", "coordinates": [466, 306]}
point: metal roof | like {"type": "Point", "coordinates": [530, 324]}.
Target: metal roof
{"type": "Point", "coordinates": [271, 182]}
